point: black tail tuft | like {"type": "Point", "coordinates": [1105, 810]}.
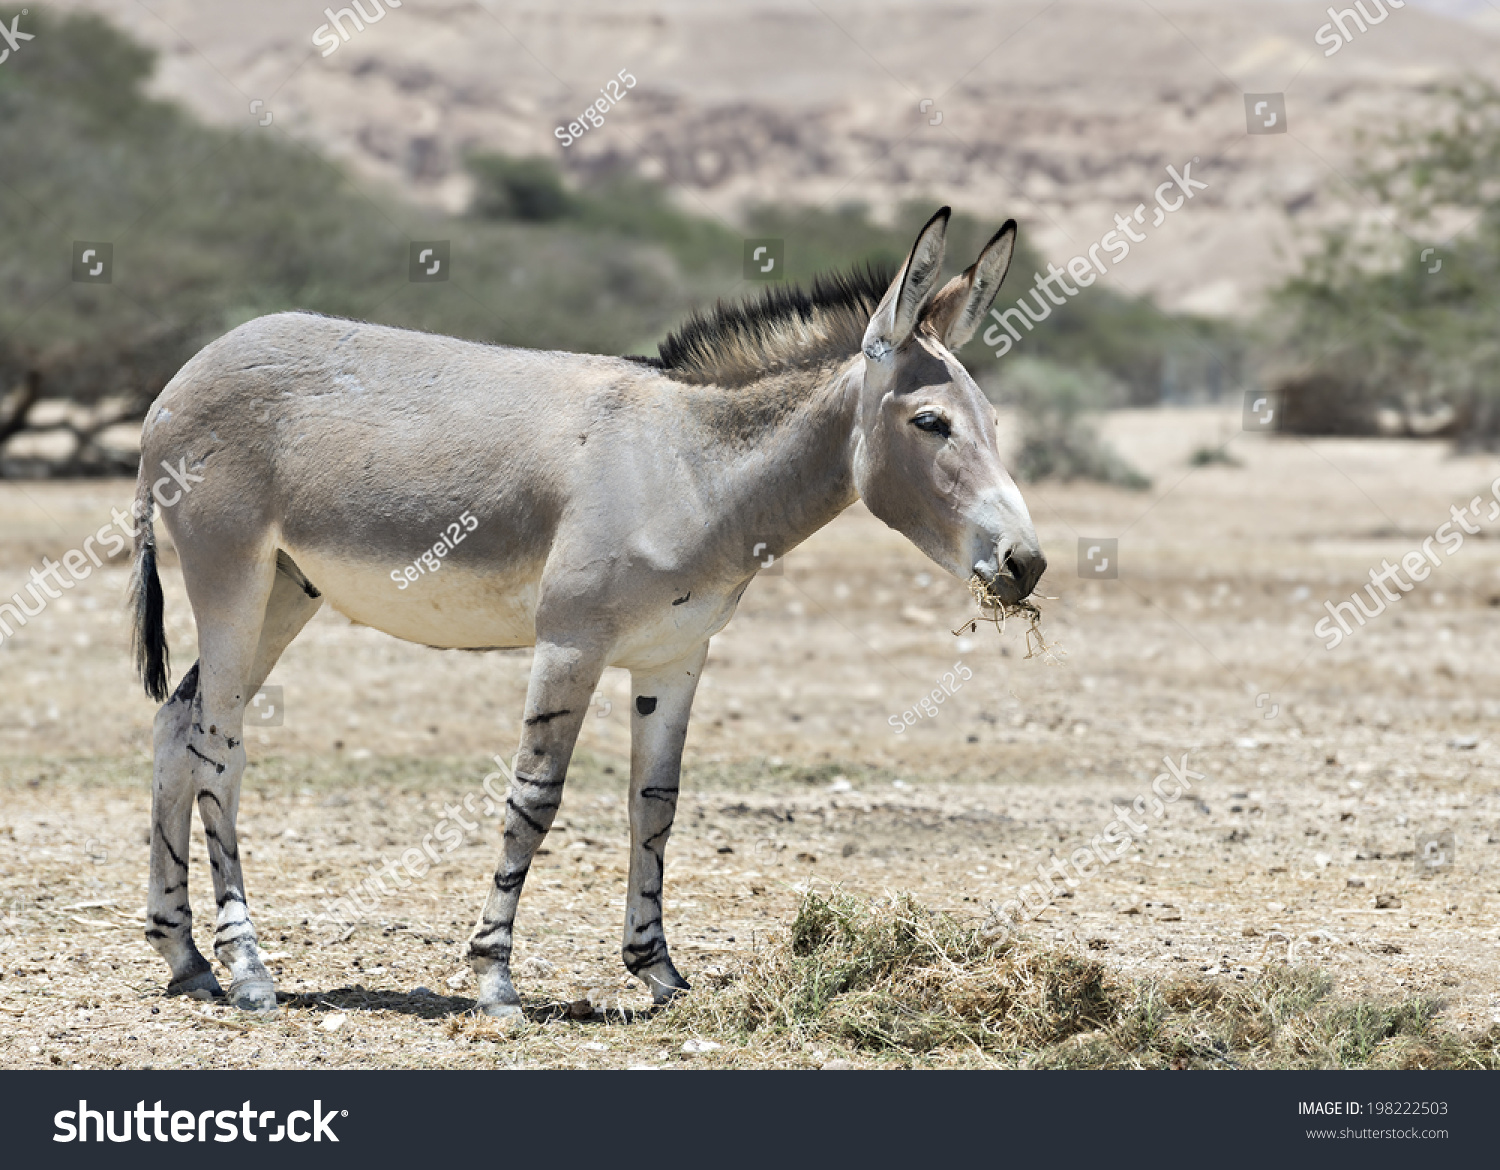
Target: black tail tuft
{"type": "Point", "coordinates": [152, 661]}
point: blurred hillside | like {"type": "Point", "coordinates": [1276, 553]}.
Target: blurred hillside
{"type": "Point", "coordinates": [1060, 113]}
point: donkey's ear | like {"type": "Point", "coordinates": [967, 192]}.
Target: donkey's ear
{"type": "Point", "coordinates": [896, 317]}
{"type": "Point", "coordinates": [956, 311]}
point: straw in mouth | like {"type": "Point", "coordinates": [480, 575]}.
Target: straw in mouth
{"type": "Point", "coordinates": [995, 609]}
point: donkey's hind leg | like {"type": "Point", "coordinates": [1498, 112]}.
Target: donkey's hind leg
{"type": "Point", "coordinates": [169, 919]}
{"type": "Point", "coordinates": [245, 620]}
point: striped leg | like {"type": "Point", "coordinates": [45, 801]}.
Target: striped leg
{"type": "Point", "coordinates": [661, 707]}
{"type": "Point", "coordinates": [562, 682]}
{"type": "Point", "coordinates": [169, 919]}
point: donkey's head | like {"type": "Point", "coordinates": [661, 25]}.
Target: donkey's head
{"type": "Point", "coordinates": [925, 458]}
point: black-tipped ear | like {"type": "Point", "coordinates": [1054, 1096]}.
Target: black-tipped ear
{"type": "Point", "coordinates": [956, 311]}
{"type": "Point", "coordinates": [896, 317]}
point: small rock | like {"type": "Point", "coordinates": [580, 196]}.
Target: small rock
{"type": "Point", "coordinates": [580, 1009]}
{"type": "Point", "coordinates": [696, 1047]}
{"type": "Point", "coordinates": [1322, 860]}
{"type": "Point", "coordinates": [1131, 910]}
{"type": "Point", "coordinates": [1249, 932]}
{"type": "Point", "coordinates": [595, 1046]}
{"type": "Point", "coordinates": [334, 1022]}
{"type": "Point", "coordinates": [1464, 743]}
{"type": "Point", "coordinates": [535, 967]}
{"type": "Point", "coordinates": [1387, 902]}
{"type": "Point", "coordinates": [841, 784]}
{"type": "Point", "coordinates": [1355, 883]}
{"type": "Point", "coordinates": [1247, 744]}
{"type": "Point", "coordinates": [836, 1066]}
{"type": "Point", "coordinates": [421, 992]}
{"type": "Point", "coordinates": [458, 978]}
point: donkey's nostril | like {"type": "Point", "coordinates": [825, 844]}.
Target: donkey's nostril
{"type": "Point", "coordinates": [1025, 570]}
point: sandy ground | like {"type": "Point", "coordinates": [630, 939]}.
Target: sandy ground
{"type": "Point", "coordinates": [1322, 772]}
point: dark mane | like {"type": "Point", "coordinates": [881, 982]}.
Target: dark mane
{"type": "Point", "coordinates": [780, 328]}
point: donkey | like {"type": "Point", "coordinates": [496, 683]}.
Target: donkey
{"type": "Point", "coordinates": [616, 510]}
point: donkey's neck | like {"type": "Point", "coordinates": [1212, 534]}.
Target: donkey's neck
{"type": "Point", "coordinates": [783, 449]}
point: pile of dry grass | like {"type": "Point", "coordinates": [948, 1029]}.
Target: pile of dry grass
{"type": "Point", "coordinates": [893, 978]}
{"type": "Point", "coordinates": [896, 976]}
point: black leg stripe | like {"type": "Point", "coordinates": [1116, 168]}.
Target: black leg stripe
{"type": "Point", "coordinates": [520, 812]}
{"type": "Point", "coordinates": [218, 767]}
{"type": "Point", "coordinates": [535, 783]}
{"type": "Point", "coordinates": [172, 853]}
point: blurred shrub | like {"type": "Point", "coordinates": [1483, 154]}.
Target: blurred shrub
{"type": "Point", "coordinates": [1059, 433]}
{"type": "Point", "coordinates": [1383, 343]}
{"type": "Point", "coordinates": [517, 188]}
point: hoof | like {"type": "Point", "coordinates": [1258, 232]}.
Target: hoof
{"type": "Point", "coordinates": [501, 1011]}
{"type": "Point", "coordinates": [203, 985]}
{"type": "Point", "coordinates": [666, 986]}
{"type": "Point", "coordinates": [253, 995]}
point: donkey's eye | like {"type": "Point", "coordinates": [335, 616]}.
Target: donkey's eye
{"type": "Point", "coordinates": [933, 422]}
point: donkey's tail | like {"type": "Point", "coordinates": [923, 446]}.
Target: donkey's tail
{"type": "Point", "coordinates": [149, 636]}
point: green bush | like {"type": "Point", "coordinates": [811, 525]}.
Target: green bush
{"type": "Point", "coordinates": [1059, 435]}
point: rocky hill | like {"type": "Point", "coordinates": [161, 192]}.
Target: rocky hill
{"type": "Point", "coordinates": [1063, 114]}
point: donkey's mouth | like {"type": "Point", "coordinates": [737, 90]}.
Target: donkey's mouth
{"type": "Point", "coordinates": [1011, 580]}
{"type": "Point", "coordinates": [1000, 585]}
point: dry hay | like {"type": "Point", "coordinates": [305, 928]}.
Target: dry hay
{"type": "Point", "coordinates": [996, 610]}
{"type": "Point", "coordinates": [891, 978]}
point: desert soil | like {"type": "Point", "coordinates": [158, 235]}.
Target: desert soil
{"type": "Point", "coordinates": [1322, 772]}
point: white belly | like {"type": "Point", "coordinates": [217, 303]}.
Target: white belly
{"type": "Point", "coordinates": [450, 607]}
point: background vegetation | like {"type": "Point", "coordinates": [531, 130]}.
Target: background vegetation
{"type": "Point", "coordinates": [212, 226]}
{"type": "Point", "coordinates": [1382, 342]}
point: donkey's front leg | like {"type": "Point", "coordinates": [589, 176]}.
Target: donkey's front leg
{"type": "Point", "coordinates": [661, 706]}
{"type": "Point", "coordinates": [563, 679]}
